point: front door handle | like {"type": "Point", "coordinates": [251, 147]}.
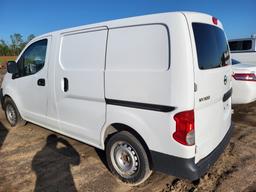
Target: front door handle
{"type": "Point", "coordinates": [41, 82]}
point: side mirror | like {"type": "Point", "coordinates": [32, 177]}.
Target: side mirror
{"type": "Point", "coordinates": [12, 67]}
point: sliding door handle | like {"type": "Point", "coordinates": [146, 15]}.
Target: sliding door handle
{"type": "Point", "coordinates": [65, 84]}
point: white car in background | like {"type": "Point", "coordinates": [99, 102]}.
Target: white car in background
{"type": "Point", "coordinates": [243, 82]}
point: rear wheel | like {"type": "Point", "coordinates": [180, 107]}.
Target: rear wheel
{"type": "Point", "coordinates": [127, 158]}
{"type": "Point", "coordinates": [12, 114]}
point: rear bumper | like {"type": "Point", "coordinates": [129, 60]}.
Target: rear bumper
{"type": "Point", "coordinates": [186, 168]}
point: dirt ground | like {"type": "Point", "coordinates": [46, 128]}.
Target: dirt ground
{"type": "Point", "coordinates": [33, 158]}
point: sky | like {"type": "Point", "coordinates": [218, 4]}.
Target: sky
{"type": "Point", "coordinates": [41, 16]}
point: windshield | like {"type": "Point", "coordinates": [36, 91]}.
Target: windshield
{"type": "Point", "coordinates": [211, 45]}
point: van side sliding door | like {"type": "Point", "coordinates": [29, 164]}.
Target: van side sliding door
{"type": "Point", "coordinates": [79, 84]}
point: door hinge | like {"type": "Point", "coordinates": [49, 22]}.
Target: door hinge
{"type": "Point", "coordinates": [195, 149]}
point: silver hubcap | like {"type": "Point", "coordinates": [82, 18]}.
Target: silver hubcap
{"type": "Point", "coordinates": [124, 159]}
{"type": "Point", "coordinates": [11, 114]}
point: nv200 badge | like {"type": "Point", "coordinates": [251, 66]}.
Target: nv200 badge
{"type": "Point", "coordinates": [204, 98]}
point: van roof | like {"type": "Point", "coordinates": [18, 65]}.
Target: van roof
{"type": "Point", "coordinates": [124, 21]}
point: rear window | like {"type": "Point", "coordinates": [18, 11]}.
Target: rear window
{"type": "Point", "coordinates": [240, 45]}
{"type": "Point", "coordinates": [211, 45]}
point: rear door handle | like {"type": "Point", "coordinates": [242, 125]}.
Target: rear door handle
{"type": "Point", "coordinates": [65, 84]}
{"type": "Point", "coordinates": [41, 82]}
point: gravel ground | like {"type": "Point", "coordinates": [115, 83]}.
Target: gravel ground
{"type": "Point", "coordinates": [33, 158]}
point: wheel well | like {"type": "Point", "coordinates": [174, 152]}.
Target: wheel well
{"type": "Point", "coordinates": [3, 100]}
{"type": "Point", "coordinates": [117, 127]}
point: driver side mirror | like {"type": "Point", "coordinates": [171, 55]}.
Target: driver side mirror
{"type": "Point", "coordinates": [12, 67]}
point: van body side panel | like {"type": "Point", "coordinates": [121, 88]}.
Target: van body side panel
{"type": "Point", "coordinates": [79, 84]}
{"type": "Point", "coordinates": [52, 117]}
{"type": "Point", "coordinates": [137, 64]}
{"type": "Point", "coordinates": [154, 127]}
{"type": "Point", "coordinates": [150, 80]}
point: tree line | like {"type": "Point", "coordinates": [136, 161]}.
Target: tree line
{"type": "Point", "coordinates": [15, 46]}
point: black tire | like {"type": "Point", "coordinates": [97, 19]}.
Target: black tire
{"type": "Point", "coordinates": [131, 151]}
{"type": "Point", "coordinates": [12, 114]}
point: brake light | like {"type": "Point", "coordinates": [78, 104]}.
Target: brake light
{"type": "Point", "coordinates": [215, 20]}
{"type": "Point", "coordinates": [184, 133]}
{"type": "Point", "coordinates": [244, 76]}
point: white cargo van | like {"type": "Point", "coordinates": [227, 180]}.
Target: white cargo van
{"type": "Point", "coordinates": [153, 91]}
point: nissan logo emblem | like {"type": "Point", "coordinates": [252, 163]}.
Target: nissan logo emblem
{"type": "Point", "coordinates": [225, 80]}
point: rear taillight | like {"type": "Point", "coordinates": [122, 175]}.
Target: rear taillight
{"type": "Point", "coordinates": [244, 76]}
{"type": "Point", "coordinates": [184, 133]}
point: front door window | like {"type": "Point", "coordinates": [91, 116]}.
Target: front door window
{"type": "Point", "coordinates": [33, 59]}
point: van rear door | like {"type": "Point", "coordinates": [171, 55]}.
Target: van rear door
{"type": "Point", "coordinates": [212, 71]}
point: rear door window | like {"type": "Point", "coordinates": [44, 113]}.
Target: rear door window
{"type": "Point", "coordinates": [244, 45]}
{"type": "Point", "coordinates": [211, 46]}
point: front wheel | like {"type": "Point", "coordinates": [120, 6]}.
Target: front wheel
{"type": "Point", "coordinates": [127, 158]}
{"type": "Point", "coordinates": [12, 114]}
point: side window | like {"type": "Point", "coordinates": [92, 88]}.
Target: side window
{"type": "Point", "coordinates": [244, 45]}
{"type": "Point", "coordinates": [247, 45]}
{"type": "Point", "coordinates": [33, 59]}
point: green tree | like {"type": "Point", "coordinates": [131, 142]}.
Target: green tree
{"type": "Point", "coordinates": [4, 49]}
{"type": "Point", "coordinates": [16, 45]}
{"type": "Point", "coordinates": [30, 37]}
